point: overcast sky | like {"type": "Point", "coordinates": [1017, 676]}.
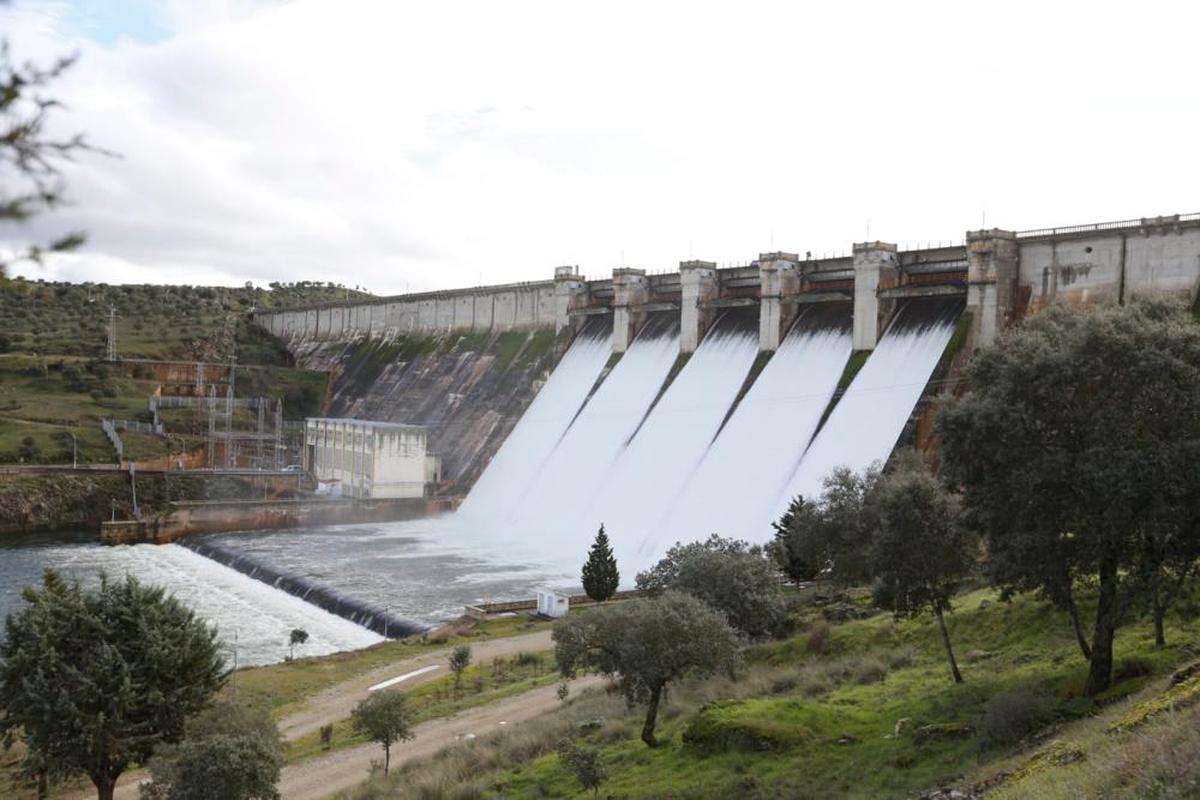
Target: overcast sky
{"type": "Point", "coordinates": [416, 146]}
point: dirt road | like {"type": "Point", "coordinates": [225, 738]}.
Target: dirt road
{"type": "Point", "coordinates": [344, 769]}
{"type": "Point", "coordinates": [336, 702]}
{"type": "Point", "coordinates": [321, 777]}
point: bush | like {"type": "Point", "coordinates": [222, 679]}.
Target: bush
{"type": "Point", "coordinates": [870, 669]}
{"type": "Point", "coordinates": [1011, 716]}
{"type": "Point", "coordinates": [524, 659]}
{"type": "Point", "coordinates": [718, 729]}
{"type": "Point", "coordinates": [818, 638]}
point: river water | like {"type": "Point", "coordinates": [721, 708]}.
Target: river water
{"type": "Point", "coordinates": [422, 571]}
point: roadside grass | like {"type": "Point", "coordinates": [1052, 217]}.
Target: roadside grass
{"type": "Point", "coordinates": [874, 714]}
{"type": "Point", "coordinates": [283, 687]}
{"type": "Point", "coordinates": [482, 684]}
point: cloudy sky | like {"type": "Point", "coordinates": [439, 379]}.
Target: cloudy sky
{"type": "Point", "coordinates": [415, 146]}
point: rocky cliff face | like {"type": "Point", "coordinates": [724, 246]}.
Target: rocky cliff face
{"type": "Point", "coordinates": [469, 390]}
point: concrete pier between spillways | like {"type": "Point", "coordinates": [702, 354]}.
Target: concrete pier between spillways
{"type": "Point", "coordinates": [1002, 274]}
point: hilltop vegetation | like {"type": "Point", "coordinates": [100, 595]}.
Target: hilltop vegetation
{"type": "Point", "coordinates": [153, 321]}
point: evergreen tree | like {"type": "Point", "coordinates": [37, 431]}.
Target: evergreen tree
{"type": "Point", "coordinates": [95, 680]}
{"type": "Point", "coordinates": [600, 575]}
{"type": "Point", "coordinates": [1076, 451]}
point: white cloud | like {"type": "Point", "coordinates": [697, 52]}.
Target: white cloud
{"type": "Point", "coordinates": [434, 145]}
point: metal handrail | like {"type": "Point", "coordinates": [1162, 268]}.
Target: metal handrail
{"type": "Point", "coordinates": [1108, 226]}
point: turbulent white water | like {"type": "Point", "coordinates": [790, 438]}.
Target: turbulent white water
{"type": "Point", "coordinates": [257, 617]}
{"type": "Point", "coordinates": [734, 489]}
{"type": "Point", "coordinates": [521, 456]}
{"type": "Point", "coordinates": [871, 415]}
{"type": "Point", "coordinates": [571, 476]}
{"type": "Point", "coordinates": [644, 483]}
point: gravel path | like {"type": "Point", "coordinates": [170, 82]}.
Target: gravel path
{"type": "Point", "coordinates": [343, 769]}
{"type": "Point", "coordinates": [321, 777]}
{"type": "Point", "coordinates": [335, 703]}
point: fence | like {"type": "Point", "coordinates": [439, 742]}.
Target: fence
{"type": "Point", "coordinates": [1108, 226]}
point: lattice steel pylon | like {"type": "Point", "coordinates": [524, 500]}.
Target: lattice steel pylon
{"type": "Point", "coordinates": [111, 349]}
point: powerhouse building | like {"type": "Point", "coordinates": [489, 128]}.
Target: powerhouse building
{"type": "Point", "coordinates": [368, 459]}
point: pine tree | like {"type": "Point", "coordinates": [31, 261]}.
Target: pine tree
{"type": "Point", "coordinates": [600, 576]}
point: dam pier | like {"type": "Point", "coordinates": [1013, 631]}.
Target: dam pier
{"type": "Point", "coordinates": [1000, 274]}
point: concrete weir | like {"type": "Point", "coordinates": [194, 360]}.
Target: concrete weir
{"type": "Point", "coordinates": [1001, 275]}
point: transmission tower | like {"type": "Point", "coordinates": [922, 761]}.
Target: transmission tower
{"type": "Point", "coordinates": [111, 353]}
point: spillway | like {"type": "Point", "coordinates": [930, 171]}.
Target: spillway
{"type": "Point", "coordinates": [644, 482]}
{"type": "Point", "coordinates": [733, 490]}
{"type": "Point", "coordinates": [570, 477]}
{"type": "Point", "coordinates": [249, 615]}
{"type": "Point", "coordinates": [869, 418]}
{"type": "Point", "coordinates": [520, 458]}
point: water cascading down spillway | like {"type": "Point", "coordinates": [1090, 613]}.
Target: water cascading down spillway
{"type": "Point", "coordinates": [567, 482]}
{"type": "Point", "coordinates": [542, 425]}
{"type": "Point", "coordinates": [644, 482]}
{"type": "Point", "coordinates": [869, 418]}
{"type": "Point", "coordinates": [733, 490]}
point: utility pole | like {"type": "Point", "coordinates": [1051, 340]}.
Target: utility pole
{"type": "Point", "coordinates": [74, 452]}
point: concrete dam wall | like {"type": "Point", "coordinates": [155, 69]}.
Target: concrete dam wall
{"type": "Point", "coordinates": [469, 390]}
{"type": "Point", "coordinates": [704, 398]}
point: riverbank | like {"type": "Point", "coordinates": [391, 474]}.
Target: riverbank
{"type": "Point", "coordinates": [59, 500]}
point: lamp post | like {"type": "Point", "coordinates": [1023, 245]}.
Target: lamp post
{"type": "Point", "coordinates": [74, 452]}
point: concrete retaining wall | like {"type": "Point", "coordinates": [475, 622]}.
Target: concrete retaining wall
{"type": "Point", "coordinates": [247, 515]}
{"type": "Point", "coordinates": [524, 306]}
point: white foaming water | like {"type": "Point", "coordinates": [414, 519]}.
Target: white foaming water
{"type": "Point", "coordinates": [571, 476]}
{"type": "Point", "coordinates": [871, 415]}
{"type": "Point", "coordinates": [258, 616]}
{"type": "Point", "coordinates": [539, 429]}
{"type": "Point", "coordinates": [646, 480]}
{"type": "Point", "coordinates": [733, 491]}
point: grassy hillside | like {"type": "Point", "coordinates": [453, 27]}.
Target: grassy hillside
{"type": "Point", "coordinates": [158, 322]}
{"type": "Point", "coordinates": [863, 708]}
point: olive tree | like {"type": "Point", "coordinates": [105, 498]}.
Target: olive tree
{"type": "Point", "coordinates": [1079, 440]}
{"type": "Point", "coordinates": [649, 643]}
{"type": "Point", "coordinates": [95, 680]}
{"type": "Point", "coordinates": [231, 751]}
{"type": "Point", "coordinates": [460, 659]}
{"type": "Point", "coordinates": [920, 551]}
{"type": "Point", "coordinates": [384, 718]}
{"type": "Point", "coordinates": [730, 575]}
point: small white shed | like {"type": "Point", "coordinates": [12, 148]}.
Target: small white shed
{"type": "Point", "coordinates": [552, 604]}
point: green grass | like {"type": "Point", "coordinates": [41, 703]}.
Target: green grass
{"type": "Point", "coordinates": [481, 684]}
{"type": "Point", "coordinates": [153, 321]}
{"type": "Point", "coordinates": [282, 687]}
{"type": "Point", "coordinates": [798, 724]}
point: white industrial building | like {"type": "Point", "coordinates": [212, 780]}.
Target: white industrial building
{"type": "Point", "coordinates": [368, 459]}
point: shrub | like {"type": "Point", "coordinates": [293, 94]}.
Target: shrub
{"type": "Point", "coordinates": [524, 659]}
{"type": "Point", "coordinates": [1011, 716]}
{"type": "Point", "coordinates": [870, 669]}
{"type": "Point", "coordinates": [1132, 668]}
{"type": "Point", "coordinates": [818, 638]}
{"type": "Point", "coordinates": [718, 729]}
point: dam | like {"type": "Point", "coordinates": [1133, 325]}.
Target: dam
{"type": "Point", "coordinates": [700, 400]}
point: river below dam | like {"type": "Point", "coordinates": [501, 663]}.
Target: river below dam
{"type": "Point", "coordinates": [419, 570]}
